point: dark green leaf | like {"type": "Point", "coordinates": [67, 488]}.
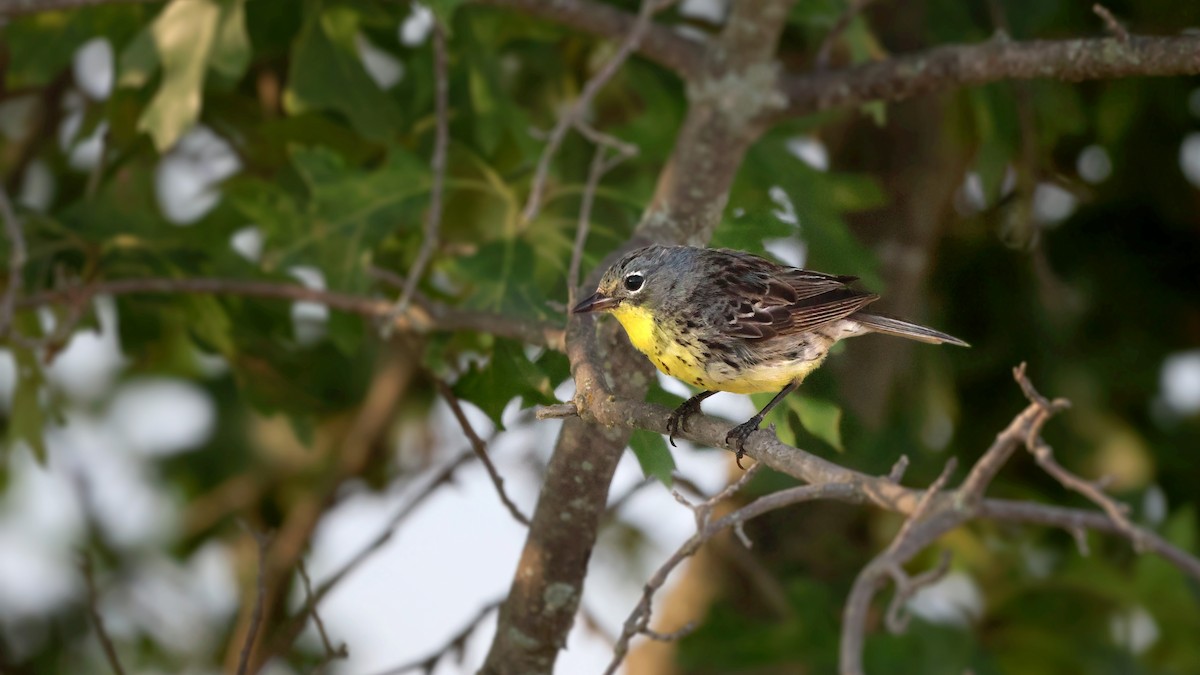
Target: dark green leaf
{"type": "Point", "coordinates": [27, 419]}
{"type": "Point", "coordinates": [652, 455]}
{"type": "Point", "coordinates": [508, 374]}
{"type": "Point", "coordinates": [231, 51]}
{"type": "Point", "coordinates": [326, 73]}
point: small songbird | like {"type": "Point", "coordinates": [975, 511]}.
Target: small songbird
{"type": "Point", "coordinates": [725, 320]}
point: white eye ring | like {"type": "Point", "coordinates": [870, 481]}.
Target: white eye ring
{"type": "Point", "coordinates": [634, 282]}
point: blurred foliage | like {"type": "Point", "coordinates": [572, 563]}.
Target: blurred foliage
{"type": "Point", "coordinates": [332, 171]}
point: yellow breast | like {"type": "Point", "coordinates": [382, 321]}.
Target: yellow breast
{"type": "Point", "coordinates": [666, 354]}
{"type": "Point", "coordinates": [675, 360]}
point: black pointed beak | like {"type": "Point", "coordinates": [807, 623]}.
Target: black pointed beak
{"type": "Point", "coordinates": [597, 302]}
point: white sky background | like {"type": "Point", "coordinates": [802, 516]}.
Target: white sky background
{"type": "Point", "coordinates": [456, 553]}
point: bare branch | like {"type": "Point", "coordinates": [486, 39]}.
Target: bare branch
{"type": "Point", "coordinates": [93, 602]}
{"type": "Point", "coordinates": [923, 504]}
{"type": "Point", "coordinates": [261, 541]}
{"type": "Point", "coordinates": [422, 316]}
{"type": "Point", "coordinates": [456, 644]}
{"type": "Point", "coordinates": [839, 26]}
{"type": "Point", "coordinates": [17, 256]}
{"type": "Point", "coordinates": [442, 477]}
{"type": "Point", "coordinates": [1110, 22]}
{"type": "Point", "coordinates": [441, 145]}
{"type": "Point", "coordinates": [946, 511]}
{"type": "Point", "coordinates": [898, 469]}
{"type": "Point", "coordinates": [953, 66]}
{"type": "Point", "coordinates": [907, 587]}
{"type": "Point", "coordinates": [639, 619]}
{"type": "Point", "coordinates": [331, 653]}
{"type": "Point", "coordinates": [481, 452]}
{"type": "Point", "coordinates": [915, 534]}
{"type": "Point", "coordinates": [574, 113]}
{"type": "Point", "coordinates": [596, 171]}
{"type": "Point", "coordinates": [661, 44]}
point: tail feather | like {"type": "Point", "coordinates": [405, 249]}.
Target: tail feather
{"type": "Point", "coordinates": [889, 326]}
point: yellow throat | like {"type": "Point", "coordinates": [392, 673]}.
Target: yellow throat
{"type": "Point", "coordinates": [639, 324]}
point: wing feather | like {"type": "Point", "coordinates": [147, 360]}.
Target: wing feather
{"type": "Point", "coordinates": [765, 300]}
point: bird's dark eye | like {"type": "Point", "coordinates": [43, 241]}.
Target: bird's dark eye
{"type": "Point", "coordinates": [633, 283]}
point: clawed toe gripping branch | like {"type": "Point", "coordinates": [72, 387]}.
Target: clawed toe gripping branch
{"type": "Point", "coordinates": [930, 513]}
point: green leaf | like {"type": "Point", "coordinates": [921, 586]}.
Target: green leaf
{"type": "Point", "coordinates": [652, 454]}
{"type": "Point", "coordinates": [996, 129]}
{"type": "Point", "coordinates": [347, 214]}
{"type": "Point", "coordinates": [496, 117]}
{"type": "Point", "coordinates": [184, 35]}
{"type": "Point", "coordinates": [41, 45]}
{"type": "Point", "coordinates": [508, 374]}
{"type": "Point", "coordinates": [501, 272]}
{"type": "Point", "coordinates": [821, 418]}
{"type": "Point", "coordinates": [210, 323]}
{"type": "Point", "coordinates": [231, 51]}
{"type": "Point", "coordinates": [28, 420]}
{"type": "Point", "coordinates": [138, 62]}
{"type": "Point", "coordinates": [327, 74]}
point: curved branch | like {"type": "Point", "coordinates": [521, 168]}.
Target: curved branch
{"type": "Point", "coordinates": [422, 317]}
{"type": "Point", "coordinates": [952, 66]}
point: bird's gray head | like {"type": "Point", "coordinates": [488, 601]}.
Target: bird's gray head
{"type": "Point", "coordinates": [649, 276]}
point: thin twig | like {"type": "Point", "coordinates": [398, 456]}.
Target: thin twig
{"type": "Point", "coordinates": [441, 144]}
{"type": "Point", "coordinates": [261, 541]}
{"type": "Point", "coordinates": [907, 587]}
{"type": "Point", "coordinates": [674, 636]}
{"type": "Point", "coordinates": [923, 504]}
{"type": "Point", "coordinates": [17, 256]}
{"type": "Point", "coordinates": [295, 624]}
{"type": "Point", "coordinates": [839, 26]}
{"type": "Point", "coordinates": [595, 172]}
{"type": "Point", "coordinates": [638, 621]}
{"type": "Point", "coordinates": [898, 470]}
{"type": "Point", "coordinates": [456, 644]}
{"type": "Point", "coordinates": [1111, 23]}
{"type": "Point", "coordinates": [574, 112]}
{"type": "Point", "coordinates": [93, 602]}
{"type": "Point", "coordinates": [480, 449]}
{"type": "Point", "coordinates": [1118, 512]}
{"type": "Point", "coordinates": [331, 653]}
{"type": "Point", "coordinates": [442, 477]}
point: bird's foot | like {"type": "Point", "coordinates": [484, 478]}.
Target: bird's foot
{"type": "Point", "coordinates": [678, 420]}
{"type": "Point", "coordinates": [737, 437]}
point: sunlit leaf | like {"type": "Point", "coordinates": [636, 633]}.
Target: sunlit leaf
{"type": "Point", "coordinates": [184, 35]}
{"type": "Point", "coordinates": [821, 418]}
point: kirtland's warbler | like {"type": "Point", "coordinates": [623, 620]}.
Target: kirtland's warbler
{"type": "Point", "coordinates": [725, 320]}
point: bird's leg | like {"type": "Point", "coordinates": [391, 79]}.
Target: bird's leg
{"type": "Point", "coordinates": [738, 435]}
{"type": "Point", "coordinates": [678, 419]}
